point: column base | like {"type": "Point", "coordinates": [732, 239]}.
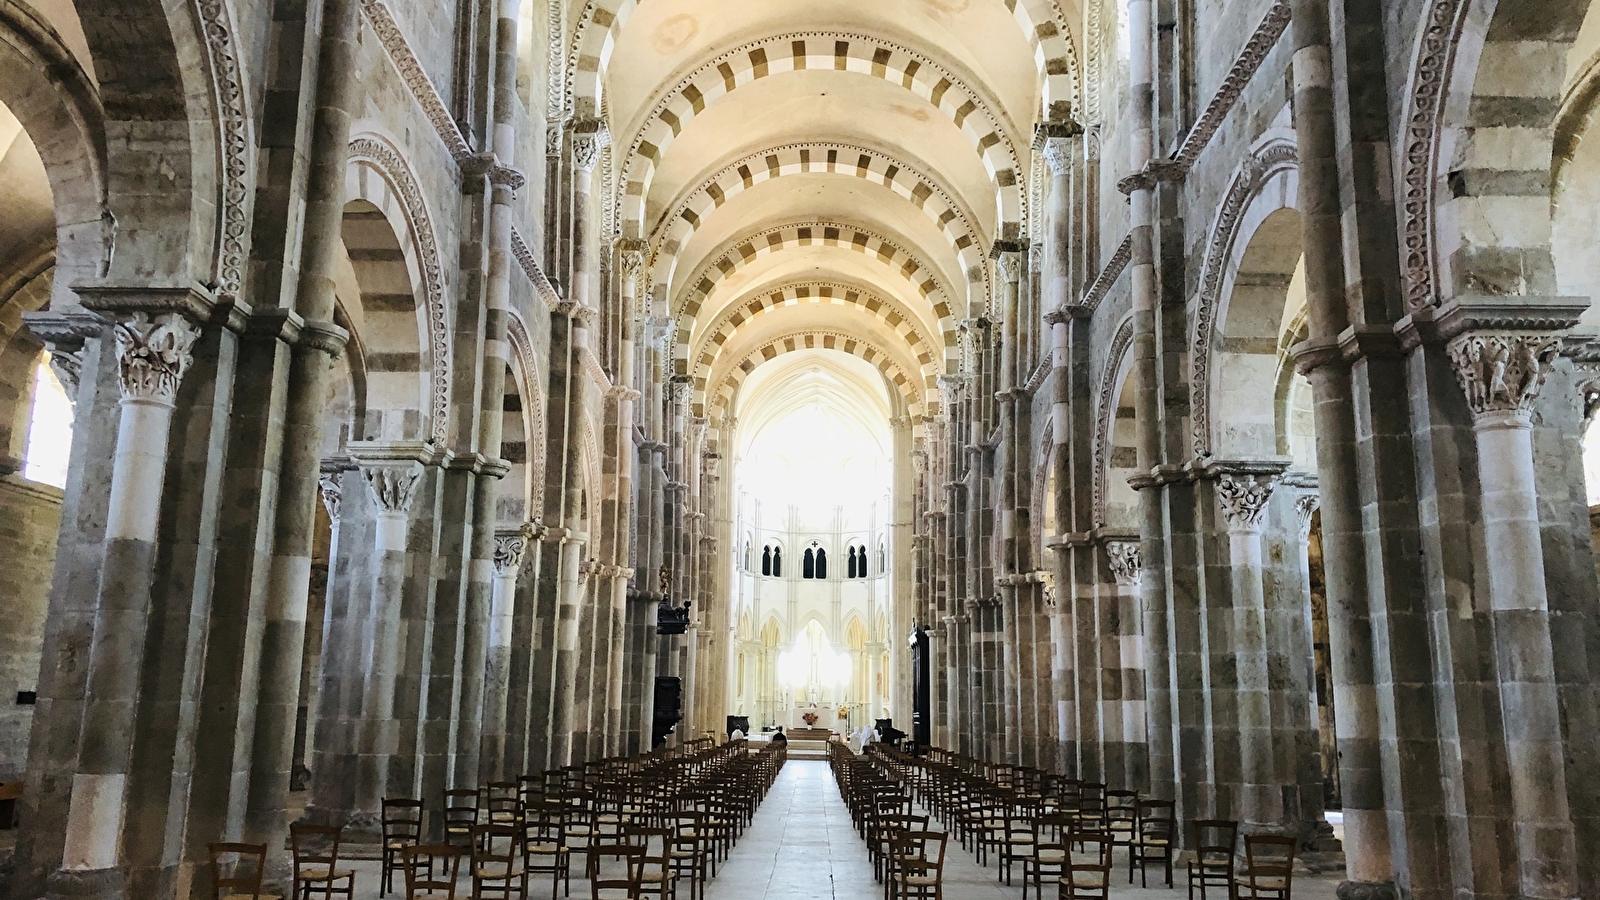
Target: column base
{"type": "Point", "coordinates": [1367, 890]}
{"type": "Point", "coordinates": [87, 884]}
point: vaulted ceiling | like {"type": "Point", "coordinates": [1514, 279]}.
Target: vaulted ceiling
{"type": "Point", "coordinates": [825, 176]}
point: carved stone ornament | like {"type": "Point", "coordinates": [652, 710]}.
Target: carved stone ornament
{"type": "Point", "coordinates": [587, 142]}
{"type": "Point", "coordinates": [508, 549]}
{"type": "Point", "coordinates": [1126, 561]}
{"type": "Point", "coordinates": [1007, 261]}
{"type": "Point", "coordinates": [1244, 498]}
{"type": "Point", "coordinates": [1058, 156]}
{"type": "Point", "coordinates": [1502, 372]}
{"type": "Point", "coordinates": [67, 365]}
{"type": "Point", "coordinates": [153, 354]}
{"type": "Point", "coordinates": [1305, 506]}
{"type": "Point", "coordinates": [393, 487]}
{"type": "Point", "coordinates": [332, 493]}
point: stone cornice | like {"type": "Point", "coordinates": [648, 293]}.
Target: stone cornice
{"type": "Point", "coordinates": [1114, 267]}
{"type": "Point", "coordinates": [542, 285]}
{"type": "Point", "coordinates": [416, 79]}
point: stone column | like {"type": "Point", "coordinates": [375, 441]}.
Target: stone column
{"type": "Point", "coordinates": [331, 487]}
{"type": "Point", "coordinates": [153, 352]}
{"type": "Point", "coordinates": [1244, 756]}
{"type": "Point", "coordinates": [359, 671]}
{"type": "Point", "coordinates": [1501, 373]}
{"type": "Point", "coordinates": [1126, 570]}
{"type": "Point", "coordinates": [509, 547]}
{"type": "Point", "coordinates": [283, 639]}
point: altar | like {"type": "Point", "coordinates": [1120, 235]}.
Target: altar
{"type": "Point", "coordinates": [827, 715]}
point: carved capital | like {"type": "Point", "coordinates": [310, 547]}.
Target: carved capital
{"type": "Point", "coordinates": [152, 355]}
{"type": "Point", "coordinates": [1305, 507]}
{"type": "Point", "coordinates": [630, 256]}
{"type": "Point", "coordinates": [1502, 372]}
{"type": "Point", "coordinates": [1244, 498]}
{"type": "Point", "coordinates": [332, 493]}
{"type": "Point", "coordinates": [589, 137]}
{"type": "Point", "coordinates": [68, 365]}
{"type": "Point", "coordinates": [1126, 561]}
{"type": "Point", "coordinates": [1058, 156]}
{"type": "Point", "coordinates": [509, 547]}
{"type": "Point", "coordinates": [393, 487]}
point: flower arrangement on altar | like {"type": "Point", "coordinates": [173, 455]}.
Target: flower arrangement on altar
{"type": "Point", "coordinates": [844, 712]}
{"type": "Point", "coordinates": [810, 719]}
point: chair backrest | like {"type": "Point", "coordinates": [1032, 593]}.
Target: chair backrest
{"type": "Point", "coordinates": [495, 842]}
{"type": "Point", "coordinates": [925, 846]}
{"type": "Point", "coordinates": [245, 880]}
{"type": "Point", "coordinates": [307, 843]}
{"type": "Point", "coordinates": [1215, 836]}
{"type": "Point", "coordinates": [1158, 820]}
{"type": "Point", "coordinates": [1095, 847]}
{"type": "Point", "coordinates": [1086, 881]}
{"type": "Point", "coordinates": [402, 820]}
{"type": "Point", "coordinates": [616, 868]}
{"type": "Point", "coordinates": [1270, 856]}
{"type": "Point", "coordinates": [431, 868]}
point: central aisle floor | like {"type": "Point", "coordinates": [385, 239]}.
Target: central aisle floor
{"type": "Point", "coordinates": [801, 847]}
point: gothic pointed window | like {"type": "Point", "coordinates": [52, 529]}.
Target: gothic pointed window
{"type": "Point", "coordinates": [822, 563]}
{"type": "Point", "coordinates": [808, 564]}
{"type": "Point", "coordinates": [850, 564]}
{"type": "Point", "coordinates": [766, 560]}
{"type": "Point", "coordinates": [777, 562]}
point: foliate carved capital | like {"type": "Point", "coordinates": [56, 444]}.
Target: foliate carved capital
{"type": "Point", "coordinates": [630, 254]}
{"type": "Point", "coordinates": [1305, 507]}
{"type": "Point", "coordinates": [589, 137]}
{"type": "Point", "coordinates": [332, 493]}
{"type": "Point", "coordinates": [1244, 498]}
{"type": "Point", "coordinates": [1007, 260]}
{"type": "Point", "coordinates": [152, 355]}
{"type": "Point", "coordinates": [509, 547]}
{"type": "Point", "coordinates": [1127, 562]}
{"type": "Point", "coordinates": [1058, 156]}
{"type": "Point", "coordinates": [393, 487]}
{"type": "Point", "coordinates": [1502, 372]}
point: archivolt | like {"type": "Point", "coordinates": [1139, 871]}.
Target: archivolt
{"type": "Point", "coordinates": [822, 233]}
{"type": "Point", "coordinates": [404, 199]}
{"type": "Point", "coordinates": [801, 51]}
{"type": "Point", "coordinates": [818, 340]}
{"type": "Point", "coordinates": [1276, 158]}
{"type": "Point", "coordinates": [1105, 410]}
{"type": "Point", "coordinates": [526, 366]}
{"type": "Point", "coordinates": [814, 292]}
{"type": "Point", "coordinates": [679, 226]}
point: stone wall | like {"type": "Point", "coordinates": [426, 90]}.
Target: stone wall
{"type": "Point", "coordinates": [30, 514]}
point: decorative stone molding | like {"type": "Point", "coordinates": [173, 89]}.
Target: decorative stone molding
{"type": "Point", "coordinates": [1244, 68]}
{"type": "Point", "coordinates": [1248, 180]}
{"type": "Point", "coordinates": [1115, 266]}
{"type": "Point", "coordinates": [67, 366]}
{"type": "Point", "coordinates": [1106, 409]}
{"type": "Point", "coordinates": [1008, 261]}
{"type": "Point", "coordinates": [393, 487]}
{"type": "Point", "coordinates": [152, 355]}
{"type": "Point", "coordinates": [1438, 36]}
{"type": "Point", "coordinates": [1126, 560]}
{"type": "Point", "coordinates": [1154, 172]}
{"type": "Point", "coordinates": [332, 493]}
{"type": "Point", "coordinates": [542, 284]}
{"type": "Point", "coordinates": [1244, 498]}
{"type": "Point", "coordinates": [416, 79]}
{"type": "Point", "coordinates": [391, 165]}
{"type": "Point", "coordinates": [1502, 372]}
{"type": "Point", "coordinates": [235, 145]}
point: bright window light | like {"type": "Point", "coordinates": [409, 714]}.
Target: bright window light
{"type": "Point", "coordinates": [49, 430]}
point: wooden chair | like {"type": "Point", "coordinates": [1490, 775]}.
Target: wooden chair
{"type": "Point", "coordinates": [1122, 819]}
{"type": "Point", "coordinates": [502, 803]}
{"type": "Point", "coordinates": [919, 866]}
{"type": "Point", "coordinates": [316, 871]}
{"type": "Point", "coordinates": [497, 872]}
{"type": "Point", "coordinates": [420, 862]}
{"type": "Point", "coordinates": [655, 864]}
{"type": "Point", "coordinates": [402, 827]}
{"type": "Point", "coordinates": [1049, 856]}
{"type": "Point", "coordinates": [1268, 868]}
{"type": "Point", "coordinates": [616, 872]}
{"type": "Point", "coordinates": [245, 886]}
{"type": "Point", "coordinates": [1212, 866]}
{"type": "Point", "coordinates": [1086, 881]}
{"type": "Point", "coordinates": [691, 850]}
{"type": "Point", "coordinates": [544, 844]}
{"type": "Point", "coordinates": [460, 815]}
{"type": "Point", "coordinates": [1156, 841]}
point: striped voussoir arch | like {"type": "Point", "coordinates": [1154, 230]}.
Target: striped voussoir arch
{"type": "Point", "coordinates": [828, 234]}
{"type": "Point", "coordinates": [861, 301]}
{"type": "Point", "coordinates": [802, 51]}
{"type": "Point", "coordinates": [920, 402]}
{"type": "Point", "coordinates": [847, 160]}
{"type": "Point", "coordinates": [1042, 23]}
